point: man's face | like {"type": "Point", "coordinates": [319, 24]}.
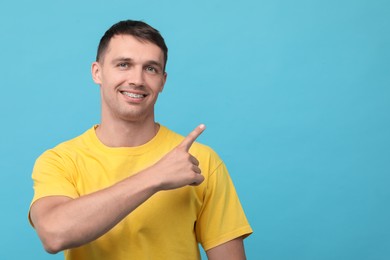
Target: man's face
{"type": "Point", "coordinates": [131, 76]}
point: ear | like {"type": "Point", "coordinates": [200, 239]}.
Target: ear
{"type": "Point", "coordinates": [164, 80]}
{"type": "Point", "coordinates": [96, 72]}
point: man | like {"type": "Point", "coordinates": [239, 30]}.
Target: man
{"type": "Point", "coordinates": [130, 188]}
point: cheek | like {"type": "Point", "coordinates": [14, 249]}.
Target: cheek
{"type": "Point", "coordinates": [158, 88]}
{"type": "Point", "coordinates": [153, 84]}
{"type": "Point", "coordinates": [114, 79]}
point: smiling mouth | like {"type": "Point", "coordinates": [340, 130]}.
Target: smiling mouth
{"type": "Point", "coordinates": [133, 95]}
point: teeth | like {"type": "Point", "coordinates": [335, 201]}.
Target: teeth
{"type": "Point", "coordinates": [133, 95]}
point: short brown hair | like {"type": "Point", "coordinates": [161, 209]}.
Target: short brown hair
{"type": "Point", "coordinates": [140, 30]}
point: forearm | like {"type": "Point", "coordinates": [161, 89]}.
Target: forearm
{"type": "Point", "coordinates": [79, 221]}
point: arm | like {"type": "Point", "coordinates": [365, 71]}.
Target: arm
{"type": "Point", "coordinates": [231, 250]}
{"type": "Point", "coordinates": [63, 223]}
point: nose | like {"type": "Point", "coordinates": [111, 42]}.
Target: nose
{"type": "Point", "coordinates": [136, 76]}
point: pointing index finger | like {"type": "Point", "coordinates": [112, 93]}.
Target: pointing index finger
{"type": "Point", "coordinates": [191, 137]}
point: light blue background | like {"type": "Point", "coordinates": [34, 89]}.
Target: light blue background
{"type": "Point", "coordinates": [295, 95]}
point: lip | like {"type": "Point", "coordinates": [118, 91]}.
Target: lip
{"type": "Point", "coordinates": [142, 95]}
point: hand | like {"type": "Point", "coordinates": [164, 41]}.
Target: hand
{"type": "Point", "coordinates": [179, 168]}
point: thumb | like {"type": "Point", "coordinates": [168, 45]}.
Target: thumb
{"type": "Point", "coordinates": [191, 137]}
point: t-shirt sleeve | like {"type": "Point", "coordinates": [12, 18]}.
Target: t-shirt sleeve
{"type": "Point", "coordinates": [52, 176]}
{"type": "Point", "coordinates": [222, 217]}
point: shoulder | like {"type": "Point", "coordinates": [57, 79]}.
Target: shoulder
{"type": "Point", "coordinates": [67, 148]}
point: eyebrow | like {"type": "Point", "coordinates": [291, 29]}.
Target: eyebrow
{"type": "Point", "coordinates": [155, 63]}
{"type": "Point", "coordinates": [121, 59]}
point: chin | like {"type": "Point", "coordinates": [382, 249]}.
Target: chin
{"type": "Point", "coordinates": [135, 116]}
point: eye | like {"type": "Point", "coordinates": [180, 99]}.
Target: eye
{"type": "Point", "coordinates": [151, 69]}
{"type": "Point", "coordinates": [123, 65]}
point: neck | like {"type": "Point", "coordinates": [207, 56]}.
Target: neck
{"type": "Point", "coordinates": [126, 134]}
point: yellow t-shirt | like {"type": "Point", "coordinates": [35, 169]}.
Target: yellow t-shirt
{"type": "Point", "coordinates": [170, 224]}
